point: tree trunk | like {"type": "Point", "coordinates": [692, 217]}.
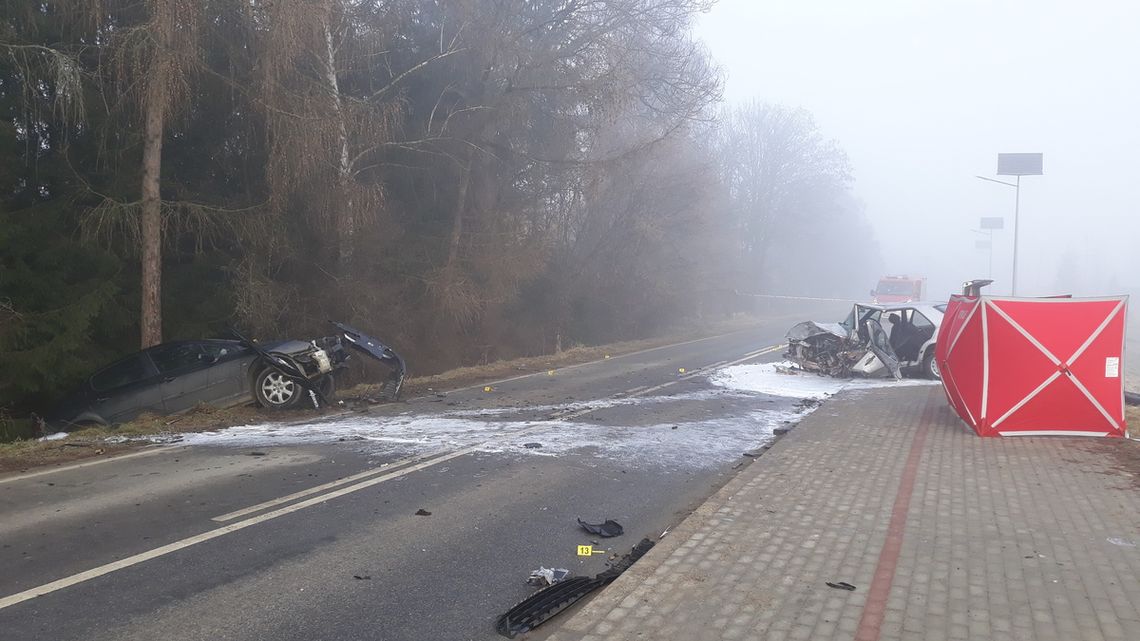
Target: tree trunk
{"type": "Point", "coordinates": [151, 225]}
{"type": "Point", "coordinates": [460, 210]}
{"type": "Point", "coordinates": [345, 215]}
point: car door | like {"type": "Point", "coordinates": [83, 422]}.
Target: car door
{"type": "Point", "coordinates": [182, 367]}
{"type": "Point", "coordinates": [125, 389]}
{"type": "Point", "coordinates": [925, 329]}
{"type": "Point", "coordinates": [881, 348]}
{"type": "Point", "coordinates": [228, 377]}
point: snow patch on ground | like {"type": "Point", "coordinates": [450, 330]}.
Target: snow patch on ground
{"type": "Point", "coordinates": [687, 445]}
{"type": "Point", "coordinates": [773, 395]}
{"type": "Point", "coordinates": [786, 379]}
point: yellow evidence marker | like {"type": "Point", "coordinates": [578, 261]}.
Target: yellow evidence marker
{"type": "Point", "coordinates": [588, 550]}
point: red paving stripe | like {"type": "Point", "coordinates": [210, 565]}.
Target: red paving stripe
{"type": "Point", "coordinates": [870, 624]}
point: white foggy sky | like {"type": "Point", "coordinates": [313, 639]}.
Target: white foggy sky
{"type": "Point", "coordinates": [923, 96]}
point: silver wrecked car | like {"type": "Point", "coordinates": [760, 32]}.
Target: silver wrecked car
{"type": "Point", "coordinates": [874, 340]}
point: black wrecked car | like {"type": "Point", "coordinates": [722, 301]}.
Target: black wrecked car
{"type": "Point", "coordinates": [177, 376]}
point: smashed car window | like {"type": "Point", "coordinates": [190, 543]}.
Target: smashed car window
{"type": "Point", "coordinates": [179, 356]}
{"type": "Point", "coordinates": [125, 372]}
{"type": "Point", "coordinates": [849, 322]}
{"type": "Point", "coordinates": [217, 351]}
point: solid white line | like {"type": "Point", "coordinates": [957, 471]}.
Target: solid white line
{"type": "Point", "coordinates": [107, 568]}
{"type": "Point", "coordinates": [152, 450]}
{"type": "Point", "coordinates": [318, 488]}
{"type": "Point", "coordinates": [169, 548]}
{"type": "Point", "coordinates": [600, 360]}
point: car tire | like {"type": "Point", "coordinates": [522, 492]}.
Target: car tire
{"type": "Point", "coordinates": [930, 367]}
{"type": "Point", "coordinates": [275, 391]}
{"type": "Point", "coordinates": [327, 385]}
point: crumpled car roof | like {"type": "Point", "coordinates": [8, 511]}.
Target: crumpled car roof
{"type": "Point", "coordinates": [807, 329]}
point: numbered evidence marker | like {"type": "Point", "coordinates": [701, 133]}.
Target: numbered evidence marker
{"type": "Point", "coordinates": [588, 550]}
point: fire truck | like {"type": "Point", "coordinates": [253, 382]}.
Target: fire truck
{"type": "Point", "coordinates": [898, 289]}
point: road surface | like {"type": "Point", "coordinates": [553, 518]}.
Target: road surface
{"type": "Point", "coordinates": [311, 531]}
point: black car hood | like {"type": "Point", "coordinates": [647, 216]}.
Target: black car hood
{"type": "Point", "coordinates": [372, 347]}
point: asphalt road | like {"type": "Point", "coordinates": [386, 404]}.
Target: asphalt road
{"type": "Point", "coordinates": [311, 531]}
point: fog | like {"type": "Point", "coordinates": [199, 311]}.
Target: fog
{"type": "Point", "coordinates": [924, 95]}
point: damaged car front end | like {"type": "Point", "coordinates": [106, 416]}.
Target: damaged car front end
{"type": "Point", "coordinates": [874, 340]}
{"type": "Point", "coordinates": [295, 370]}
{"type": "Point", "coordinates": [824, 348]}
{"type": "Point", "coordinates": [177, 376]}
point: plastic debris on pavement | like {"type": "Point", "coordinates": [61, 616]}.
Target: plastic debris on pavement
{"type": "Point", "coordinates": [547, 576]}
{"type": "Point", "coordinates": [549, 601]}
{"type": "Point", "coordinates": [607, 529]}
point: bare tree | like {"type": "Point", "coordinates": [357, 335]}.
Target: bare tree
{"type": "Point", "coordinates": [779, 172]}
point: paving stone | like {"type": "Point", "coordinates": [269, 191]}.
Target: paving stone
{"type": "Point", "coordinates": [1003, 539]}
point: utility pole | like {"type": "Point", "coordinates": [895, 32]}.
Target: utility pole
{"type": "Point", "coordinates": [1016, 165]}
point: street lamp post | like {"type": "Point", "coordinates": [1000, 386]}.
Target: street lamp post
{"type": "Point", "coordinates": [1016, 165]}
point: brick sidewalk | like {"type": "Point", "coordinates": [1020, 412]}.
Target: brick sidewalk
{"type": "Point", "coordinates": [946, 536]}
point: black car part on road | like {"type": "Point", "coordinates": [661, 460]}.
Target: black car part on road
{"type": "Point", "coordinates": [547, 602]}
{"type": "Point", "coordinates": [380, 352]}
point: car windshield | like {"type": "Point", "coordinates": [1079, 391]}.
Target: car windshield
{"type": "Point", "coordinates": [895, 287]}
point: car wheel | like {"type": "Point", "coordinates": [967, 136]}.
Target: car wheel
{"type": "Point", "coordinates": [930, 366]}
{"type": "Point", "coordinates": [273, 390]}
{"type": "Point", "coordinates": [327, 386]}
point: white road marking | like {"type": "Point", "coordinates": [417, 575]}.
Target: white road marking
{"type": "Point", "coordinates": [155, 449]}
{"type": "Point", "coordinates": [594, 362]}
{"type": "Point", "coordinates": [108, 568]}
{"type": "Point", "coordinates": [370, 478]}
{"type": "Point", "coordinates": [319, 488]}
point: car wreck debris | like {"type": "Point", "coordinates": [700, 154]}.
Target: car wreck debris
{"type": "Point", "coordinates": [823, 348]}
{"type": "Point", "coordinates": [874, 340]}
{"type": "Point", "coordinates": [607, 529]}
{"type": "Point", "coordinates": [547, 576]}
{"type": "Point", "coordinates": [549, 601]}
{"type": "Point", "coordinates": [177, 377]}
